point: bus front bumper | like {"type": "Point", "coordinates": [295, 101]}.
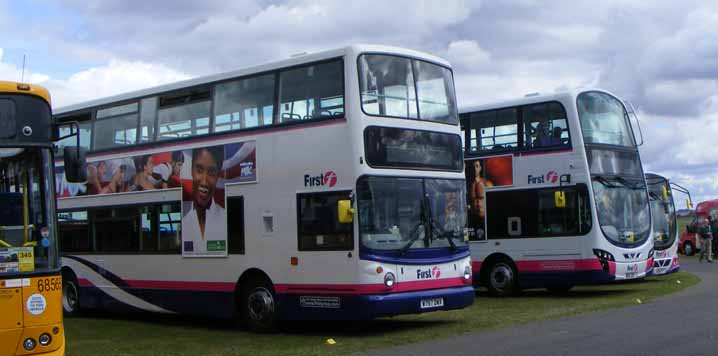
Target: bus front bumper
{"type": "Point", "coordinates": [369, 306]}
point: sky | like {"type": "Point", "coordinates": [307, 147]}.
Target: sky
{"type": "Point", "coordinates": [662, 56]}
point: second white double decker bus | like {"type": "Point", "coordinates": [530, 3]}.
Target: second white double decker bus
{"type": "Point", "coordinates": [665, 225]}
{"type": "Point", "coordinates": [326, 186]}
{"type": "Point", "coordinates": [556, 192]}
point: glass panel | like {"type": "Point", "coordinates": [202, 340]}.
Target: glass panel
{"type": "Point", "coordinates": [387, 86]}
{"type": "Point", "coordinates": [116, 131]}
{"type": "Point", "coordinates": [235, 225]}
{"type": "Point", "coordinates": [604, 120]}
{"type": "Point", "coordinates": [494, 130]}
{"type": "Point", "coordinates": [435, 87]}
{"type": "Point", "coordinates": [27, 216]}
{"type": "Point", "coordinates": [536, 214]}
{"type": "Point", "coordinates": [74, 231]}
{"type": "Point", "coordinates": [545, 125]}
{"type": "Point", "coordinates": [184, 121]}
{"type": "Point", "coordinates": [407, 213]}
{"type": "Point", "coordinates": [244, 104]}
{"type": "Point", "coordinates": [170, 222]}
{"type": "Point", "coordinates": [118, 231]}
{"type": "Point", "coordinates": [614, 162]}
{"type": "Point", "coordinates": [394, 147]}
{"type": "Point", "coordinates": [117, 110]}
{"type": "Point", "coordinates": [85, 135]}
{"type": "Point", "coordinates": [319, 226]}
{"type": "Point", "coordinates": [311, 92]}
{"type": "Point", "coordinates": [148, 116]}
{"type": "Point", "coordinates": [663, 212]}
{"type": "Point", "coordinates": [622, 208]}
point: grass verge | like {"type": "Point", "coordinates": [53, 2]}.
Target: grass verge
{"type": "Point", "coordinates": [112, 334]}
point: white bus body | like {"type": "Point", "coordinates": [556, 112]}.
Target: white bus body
{"type": "Point", "coordinates": [665, 225]}
{"type": "Point", "coordinates": [294, 147]}
{"type": "Point", "coordinates": [560, 198]}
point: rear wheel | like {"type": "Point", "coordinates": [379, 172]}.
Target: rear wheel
{"type": "Point", "coordinates": [688, 249]}
{"type": "Point", "coordinates": [502, 279]}
{"type": "Point", "coordinates": [258, 307]}
{"type": "Point", "coordinates": [70, 295]}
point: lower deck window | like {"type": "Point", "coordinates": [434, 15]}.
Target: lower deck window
{"type": "Point", "coordinates": [319, 228]}
{"type": "Point", "coordinates": [135, 229]}
{"type": "Point", "coordinates": [534, 213]}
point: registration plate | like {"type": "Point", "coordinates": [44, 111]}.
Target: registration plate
{"type": "Point", "coordinates": [432, 303]}
{"type": "Point", "coordinates": [630, 275]}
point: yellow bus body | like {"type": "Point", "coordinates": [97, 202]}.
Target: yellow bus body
{"type": "Point", "coordinates": [23, 313]}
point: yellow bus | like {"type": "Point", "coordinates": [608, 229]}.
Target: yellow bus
{"type": "Point", "coordinates": [30, 282]}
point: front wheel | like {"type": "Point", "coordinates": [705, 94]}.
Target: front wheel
{"type": "Point", "coordinates": [70, 296]}
{"type": "Point", "coordinates": [502, 279]}
{"type": "Point", "coordinates": [688, 249]}
{"type": "Point", "coordinates": [258, 306]}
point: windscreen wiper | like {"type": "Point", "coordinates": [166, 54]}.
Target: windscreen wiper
{"type": "Point", "coordinates": [605, 182]}
{"type": "Point", "coordinates": [626, 183]}
{"type": "Point", "coordinates": [442, 233]}
{"type": "Point", "coordinates": [416, 231]}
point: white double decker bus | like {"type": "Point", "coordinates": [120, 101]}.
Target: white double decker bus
{"type": "Point", "coordinates": [325, 186]}
{"type": "Point", "coordinates": [557, 193]}
{"type": "Point", "coordinates": [665, 224]}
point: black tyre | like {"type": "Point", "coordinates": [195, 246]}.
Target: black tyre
{"type": "Point", "coordinates": [257, 306]}
{"type": "Point", "coordinates": [688, 249]}
{"type": "Point", "coordinates": [502, 279]}
{"type": "Point", "coordinates": [70, 295]}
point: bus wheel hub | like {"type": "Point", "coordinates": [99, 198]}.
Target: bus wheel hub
{"type": "Point", "coordinates": [261, 304]}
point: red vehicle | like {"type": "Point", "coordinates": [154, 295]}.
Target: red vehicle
{"type": "Point", "coordinates": [688, 244]}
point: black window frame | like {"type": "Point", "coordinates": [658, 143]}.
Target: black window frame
{"type": "Point", "coordinates": [95, 120]}
{"type": "Point", "coordinates": [92, 231]}
{"type": "Point", "coordinates": [465, 120]}
{"type": "Point", "coordinates": [299, 197]}
{"type": "Point", "coordinates": [277, 92]}
{"type": "Point", "coordinates": [581, 190]}
{"type": "Point", "coordinates": [373, 164]}
{"type": "Point", "coordinates": [232, 219]}
{"type": "Point", "coordinates": [210, 85]}
{"type": "Point", "coordinates": [416, 94]}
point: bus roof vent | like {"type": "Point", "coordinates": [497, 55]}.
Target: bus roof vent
{"type": "Point", "coordinates": [531, 94]}
{"type": "Point", "coordinates": [299, 54]}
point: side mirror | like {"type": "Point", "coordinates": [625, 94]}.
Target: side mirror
{"type": "Point", "coordinates": [346, 213]}
{"type": "Point", "coordinates": [75, 164]}
{"type": "Point", "coordinates": [689, 203]}
{"type": "Point", "coordinates": [559, 199]}
{"type": "Point", "coordinates": [664, 191]}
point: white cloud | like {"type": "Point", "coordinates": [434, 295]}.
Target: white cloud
{"type": "Point", "coordinates": [116, 77]}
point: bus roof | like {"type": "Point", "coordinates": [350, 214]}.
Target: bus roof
{"type": "Point", "coordinates": [532, 99]}
{"type": "Point", "coordinates": [355, 49]}
{"type": "Point", "coordinates": [26, 89]}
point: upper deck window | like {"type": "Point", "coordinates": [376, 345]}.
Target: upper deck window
{"type": "Point", "coordinates": [493, 130]}
{"type": "Point", "coordinates": [245, 103]}
{"type": "Point", "coordinates": [312, 92]}
{"type": "Point", "coordinates": [85, 134]}
{"type": "Point", "coordinates": [401, 87]}
{"type": "Point", "coordinates": [116, 126]}
{"type": "Point", "coordinates": [184, 114]}
{"type": "Point", "coordinates": [545, 125]}
{"type": "Point", "coordinates": [604, 120]}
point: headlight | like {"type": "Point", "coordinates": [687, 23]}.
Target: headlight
{"type": "Point", "coordinates": [604, 255]}
{"type": "Point", "coordinates": [28, 344]}
{"type": "Point", "coordinates": [650, 253]}
{"type": "Point", "coordinates": [467, 273]}
{"type": "Point", "coordinates": [389, 279]}
{"type": "Point", "coordinates": [44, 339]}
